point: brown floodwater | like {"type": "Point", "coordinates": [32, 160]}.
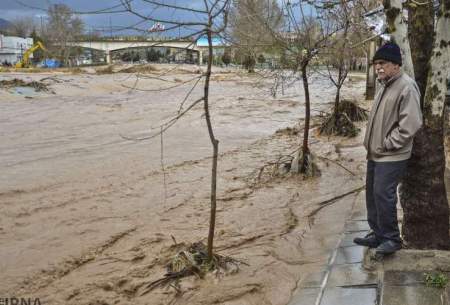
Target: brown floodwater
{"type": "Point", "coordinates": [89, 216]}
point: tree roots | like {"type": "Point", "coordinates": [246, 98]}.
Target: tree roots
{"type": "Point", "coordinates": [193, 261]}
{"type": "Point", "coordinates": [338, 124]}
{"type": "Point", "coordinates": [353, 111]}
{"type": "Point", "coordinates": [305, 166]}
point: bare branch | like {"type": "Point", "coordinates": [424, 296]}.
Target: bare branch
{"type": "Point", "coordinates": [129, 8]}
{"type": "Point", "coordinates": [163, 127]}
{"type": "Point", "coordinates": [188, 94]}
{"type": "Point", "coordinates": [158, 3]}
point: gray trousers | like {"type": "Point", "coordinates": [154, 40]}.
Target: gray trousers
{"type": "Point", "coordinates": [381, 198]}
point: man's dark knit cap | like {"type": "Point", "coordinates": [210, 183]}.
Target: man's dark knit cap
{"type": "Point", "coordinates": [390, 52]}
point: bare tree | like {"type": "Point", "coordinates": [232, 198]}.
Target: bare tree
{"type": "Point", "coordinates": [301, 38]}
{"type": "Point", "coordinates": [213, 20]}
{"type": "Point", "coordinates": [62, 28]}
{"type": "Point", "coordinates": [339, 55]}
{"type": "Point", "coordinates": [21, 27]}
{"type": "Point", "coordinates": [248, 35]}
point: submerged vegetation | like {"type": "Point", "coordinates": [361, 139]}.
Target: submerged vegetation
{"type": "Point", "coordinates": [38, 86]}
{"type": "Point", "coordinates": [353, 111]}
{"type": "Point", "coordinates": [193, 261]}
{"type": "Point", "coordinates": [143, 69]}
{"type": "Point", "coordinates": [340, 122]}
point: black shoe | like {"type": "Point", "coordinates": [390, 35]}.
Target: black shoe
{"type": "Point", "coordinates": [370, 241]}
{"type": "Point", "coordinates": [388, 247]}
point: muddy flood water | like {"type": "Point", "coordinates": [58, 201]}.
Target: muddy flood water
{"type": "Point", "coordinates": [89, 216]}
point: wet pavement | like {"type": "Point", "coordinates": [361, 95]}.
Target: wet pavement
{"type": "Point", "coordinates": [343, 280]}
{"type": "Point", "coordinates": [347, 278]}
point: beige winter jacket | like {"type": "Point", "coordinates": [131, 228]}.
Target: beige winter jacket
{"type": "Point", "coordinates": [394, 120]}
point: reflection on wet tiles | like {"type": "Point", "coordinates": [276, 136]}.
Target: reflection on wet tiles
{"type": "Point", "coordinates": [350, 296]}
{"type": "Point", "coordinates": [345, 281]}
{"type": "Point", "coordinates": [352, 274]}
{"type": "Point", "coordinates": [350, 255]}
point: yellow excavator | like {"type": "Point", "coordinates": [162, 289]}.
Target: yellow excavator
{"type": "Point", "coordinates": [25, 62]}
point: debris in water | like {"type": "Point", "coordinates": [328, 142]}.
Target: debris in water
{"type": "Point", "coordinates": [107, 70]}
{"type": "Point", "coordinates": [143, 69]}
{"type": "Point", "coordinates": [353, 111]}
{"type": "Point", "coordinates": [38, 86]}
{"type": "Point", "coordinates": [338, 124]}
{"type": "Point", "coordinates": [193, 261]}
{"type": "Point", "coordinates": [288, 131]}
{"type": "Point", "coordinates": [306, 166]}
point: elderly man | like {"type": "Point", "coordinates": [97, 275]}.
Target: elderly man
{"type": "Point", "coordinates": [394, 119]}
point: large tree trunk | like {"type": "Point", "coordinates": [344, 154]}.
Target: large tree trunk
{"type": "Point", "coordinates": [421, 24]}
{"type": "Point", "coordinates": [423, 195]}
{"type": "Point", "coordinates": [447, 130]}
{"type": "Point", "coordinates": [398, 29]}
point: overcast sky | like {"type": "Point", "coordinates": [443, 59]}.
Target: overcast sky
{"type": "Point", "coordinates": [12, 9]}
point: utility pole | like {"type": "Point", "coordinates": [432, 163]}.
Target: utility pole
{"type": "Point", "coordinates": [110, 27]}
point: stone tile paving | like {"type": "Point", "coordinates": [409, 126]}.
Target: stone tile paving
{"type": "Point", "coordinates": [348, 275]}
{"type": "Point", "coordinates": [408, 288]}
{"type": "Point", "coordinates": [344, 281]}
{"type": "Point", "coordinates": [349, 296]}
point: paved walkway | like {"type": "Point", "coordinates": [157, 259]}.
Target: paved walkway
{"type": "Point", "coordinates": [344, 281]}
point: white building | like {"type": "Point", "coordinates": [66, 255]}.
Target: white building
{"type": "Point", "coordinates": [12, 48]}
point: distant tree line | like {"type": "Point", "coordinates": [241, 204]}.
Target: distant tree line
{"type": "Point", "coordinates": [148, 54]}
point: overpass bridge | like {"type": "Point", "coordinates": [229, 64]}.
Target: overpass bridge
{"type": "Point", "coordinates": [109, 46]}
